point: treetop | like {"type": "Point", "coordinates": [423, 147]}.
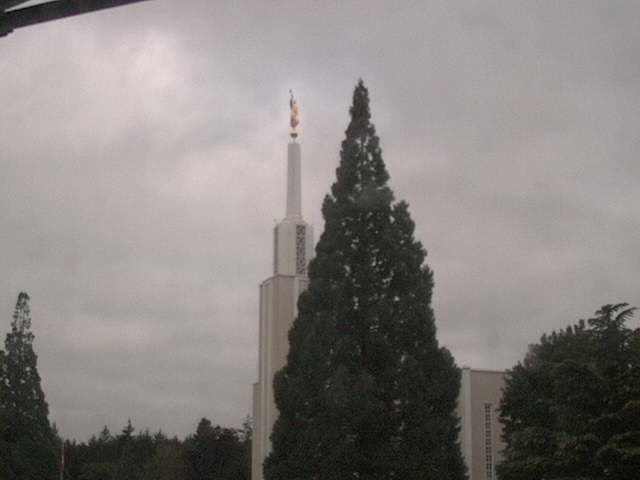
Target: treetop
{"type": "Point", "coordinates": [361, 176]}
{"type": "Point", "coordinates": [21, 319]}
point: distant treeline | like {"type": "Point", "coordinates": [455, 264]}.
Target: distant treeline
{"type": "Point", "coordinates": [30, 448]}
{"type": "Point", "coordinates": [212, 452]}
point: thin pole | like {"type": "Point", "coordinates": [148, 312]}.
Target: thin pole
{"type": "Point", "coordinates": [62, 462]}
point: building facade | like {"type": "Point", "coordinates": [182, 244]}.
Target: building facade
{"type": "Point", "coordinates": [292, 249]}
{"type": "Point", "coordinates": [480, 428]}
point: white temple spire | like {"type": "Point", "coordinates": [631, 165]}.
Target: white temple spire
{"type": "Point", "coordinates": [294, 198]}
{"type": "Point", "coordinates": [294, 194]}
{"type": "Point", "coordinates": [292, 251]}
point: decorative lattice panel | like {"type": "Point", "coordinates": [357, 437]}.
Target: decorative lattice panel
{"type": "Point", "coordinates": [301, 260]}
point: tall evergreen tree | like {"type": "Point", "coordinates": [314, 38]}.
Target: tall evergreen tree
{"type": "Point", "coordinates": [166, 464]}
{"type": "Point", "coordinates": [215, 453]}
{"type": "Point", "coordinates": [131, 460]}
{"type": "Point", "coordinates": [571, 409]}
{"type": "Point", "coordinates": [27, 441]}
{"type": "Point", "coordinates": [367, 392]}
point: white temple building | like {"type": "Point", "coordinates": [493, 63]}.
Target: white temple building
{"type": "Point", "coordinates": [480, 428]}
{"type": "Point", "coordinates": [293, 248]}
{"type": "Point", "coordinates": [480, 392]}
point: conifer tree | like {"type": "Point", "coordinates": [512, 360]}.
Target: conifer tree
{"type": "Point", "coordinates": [28, 443]}
{"type": "Point", "coordinates": [215, 452]}
{"type": "Point", "coordinates": [367, 392]}
{"type": "Point", "coordinates": [166, 464]}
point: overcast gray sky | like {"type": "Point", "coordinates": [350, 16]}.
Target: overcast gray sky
{"type": "Point", "coordinates": [143, 167]}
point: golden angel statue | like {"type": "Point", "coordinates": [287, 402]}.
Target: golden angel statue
{"type": "Point", "coordinates": [295, 119]}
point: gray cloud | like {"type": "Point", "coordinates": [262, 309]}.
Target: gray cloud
{"type": "Point", "coordinates": [143, 167]}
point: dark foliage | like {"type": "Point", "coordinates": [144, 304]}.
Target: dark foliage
{"type": "Point", "coordinates": [367, 392]}
{"type": "Point", "coordinates": [28, 444]}
{"type": "Point", "coordinates": [212, 453]}
{"type": "Point", "coordinates": [571, 409]}
{"type": "Point", "coordinates": [215, 453]}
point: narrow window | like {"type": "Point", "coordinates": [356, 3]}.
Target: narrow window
{"type": "Point", "coordinates": [488, 441]}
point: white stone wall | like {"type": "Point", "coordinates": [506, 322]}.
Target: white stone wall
{"type": "Point", "coordinates": [481, 431]}
{"type": "Point", "coordinates": [293, 249]}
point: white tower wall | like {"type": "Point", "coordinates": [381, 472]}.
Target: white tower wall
{"type": "Point", "coordinates": [480, 428]}
{"type": "Point", "coordinates": [294, 173]}
{"type": "Point", "coordinates": [293, 248]}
